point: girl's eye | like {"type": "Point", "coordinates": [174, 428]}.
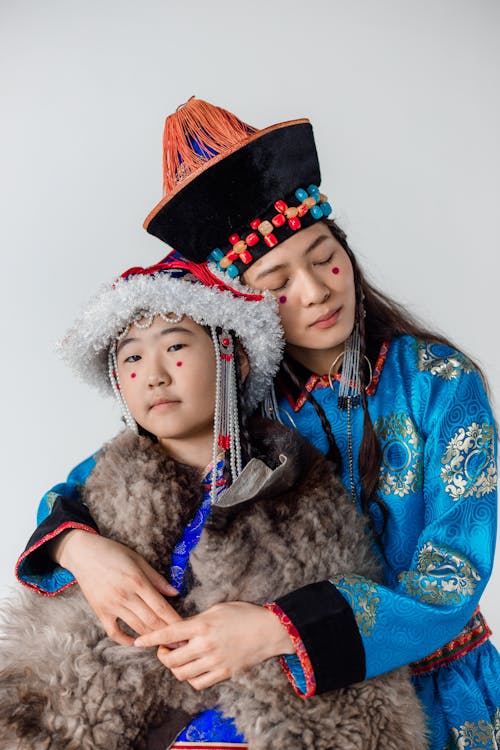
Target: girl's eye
{"type": "Point", "coordinates": [133, 358]}
{"type": "Point", "coordinates": [175, 347]}
{"type": "Point", "coordinates": [323, 262]}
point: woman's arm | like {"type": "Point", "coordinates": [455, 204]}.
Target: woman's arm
{"type": "Point", "coordinates": [67, 548]}
{"type": "Point", "coordinates": [429, 602]}
{"type": "Point", "coordinates": [376, 627]}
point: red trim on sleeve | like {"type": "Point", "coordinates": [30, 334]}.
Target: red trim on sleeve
{"type": "Point", "coordinates": [300, 650]}
{"type": "Point", "coordinates": [63, 527]}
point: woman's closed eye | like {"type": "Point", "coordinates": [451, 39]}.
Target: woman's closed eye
{"type": "Point", "coordinates": [325, 261]}
{"type": "Point", "coordinates": [279, 286]}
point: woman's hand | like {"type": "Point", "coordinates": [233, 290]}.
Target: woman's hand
{"type": "Point", "coordinates": [220, 642]}
{"type": "Point", "coordinates": [117, 583]}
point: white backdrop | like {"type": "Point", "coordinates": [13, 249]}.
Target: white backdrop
{"type": "Point", "coordinates": [404, 99]}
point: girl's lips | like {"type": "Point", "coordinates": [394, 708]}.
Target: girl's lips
{"type": "Point", "coordinates": [163, 404]}
{"type": "Point", "coordinates": [327, 322]}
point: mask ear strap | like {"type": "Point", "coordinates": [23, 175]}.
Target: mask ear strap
{"type": "Point", "coordinates": [226, 414]}
{"type": "Point", "coordinates": [115, 385]}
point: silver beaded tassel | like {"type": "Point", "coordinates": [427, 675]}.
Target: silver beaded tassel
{"type": "Point", "coordinates": [226, 417]}
{"type": "Point", "coordinates": [350, 382]}
{"type": "Point", "coordinates": [115, 384]}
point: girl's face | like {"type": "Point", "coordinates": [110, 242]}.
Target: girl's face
{"type": "Point", "coordinates": [312, 277]}
{"type": "Point", "coordinates": [167, 377]}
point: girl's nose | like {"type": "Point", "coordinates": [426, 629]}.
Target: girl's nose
{"type": "Point", "coordinates": [159, 379]}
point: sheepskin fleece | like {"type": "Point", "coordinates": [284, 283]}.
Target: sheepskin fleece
{"type": "Point", "coordinates": [65, 684]}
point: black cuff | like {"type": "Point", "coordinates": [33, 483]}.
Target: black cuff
{"type": "Point", "coordinates": [329, 632]}
{"type": "Point", "coordinates": [65, 511]}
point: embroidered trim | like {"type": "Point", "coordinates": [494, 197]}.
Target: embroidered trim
{"type": "Point", "coordinates": [377, 370]}
{"type": "Point", "coordinates": [321, 381]}
{"type": "Point", "coordinates": [300, 650]}
{"type": "Point", "coordinates": [43, 540]}
{"type": "Point", "coordinates": [475, 633]}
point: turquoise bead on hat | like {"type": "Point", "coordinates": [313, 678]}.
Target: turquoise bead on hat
{"type": "Point", "coordinates": [301, 194]}
{"type": "Point", "coordinates": [216, 254]}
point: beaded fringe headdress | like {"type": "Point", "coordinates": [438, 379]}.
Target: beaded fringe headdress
{"type": "Point", "coordinates": [173, 289]}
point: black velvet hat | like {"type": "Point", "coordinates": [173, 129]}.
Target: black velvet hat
{"type": "Point", "coordinates": [233, 192]}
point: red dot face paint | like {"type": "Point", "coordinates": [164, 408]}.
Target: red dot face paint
{"type": "Point", "coordinates": [133, 375]}
{"type": "Point", "coordinates": [282, 299]}
{"type": "Point", "coordinates": [335, 270]}
{"type": "Point", "coordinates": [179, 364]}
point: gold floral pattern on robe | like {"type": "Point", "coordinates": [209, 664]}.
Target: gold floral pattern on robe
{"type": "Point", "coordinates": [468, 462]}
{"type": "Point", "coordinates": [476, 735]}
{"type": "Point", "coordinates": [442, 577]}
{"type": "Point", "coordinates": [363, 598]}
{"type": "Point", "coordinates": [50, 499]}
{"type": "Point", "coordinates": [441, 360]}
{"type": "Point", "coordinates": [401, 471]}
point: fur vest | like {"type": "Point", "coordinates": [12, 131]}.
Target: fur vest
{"type": "Point", "coordinates": [65, 685]}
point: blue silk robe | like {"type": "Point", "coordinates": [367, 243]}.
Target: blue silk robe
{"type": "Point", "coordinates": [438, 481]}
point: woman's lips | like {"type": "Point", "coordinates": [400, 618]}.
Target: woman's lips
{"type": "Point", "coordinates": [327, 320]}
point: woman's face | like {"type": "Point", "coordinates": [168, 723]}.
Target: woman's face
{"type": "Point", "coordinates": [167, 378]}
{"type": "Point", "coordinates": [312, 277]}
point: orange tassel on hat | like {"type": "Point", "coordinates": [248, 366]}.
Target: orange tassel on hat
{"type": "Point", "coordinates": [229, 186]}
{"type": "Point", "coordinates": [193, 134]}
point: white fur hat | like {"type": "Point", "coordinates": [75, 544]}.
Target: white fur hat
{"type": "Point", "coordinates": [181, 288]}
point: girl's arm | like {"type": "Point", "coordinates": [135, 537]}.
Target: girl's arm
{"type": "Point", "coordinates": [66, 548]}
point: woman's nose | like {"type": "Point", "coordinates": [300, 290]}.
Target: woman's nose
{"type": "Point", "coordinates": [313, 291]}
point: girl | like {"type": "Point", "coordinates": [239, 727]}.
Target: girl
{"type": "Point", "coordinates": [184, 360]}
{"type": "Point", "coordinates": [402, 414]}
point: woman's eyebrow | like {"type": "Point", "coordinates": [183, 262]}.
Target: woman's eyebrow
{"type": "Point", "coordinates": [314, 244]}
{"type": "Point", "coordinates": [267, 271]}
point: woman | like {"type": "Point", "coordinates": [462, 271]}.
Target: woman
{"type": "Point", "coordinates": [400, 411]}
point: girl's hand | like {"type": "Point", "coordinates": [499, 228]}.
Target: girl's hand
{"type": "Point", "coordinates": [220, 642]}
{"type": "Point", "coordinates": [117, 583]}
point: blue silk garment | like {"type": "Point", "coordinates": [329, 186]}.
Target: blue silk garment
{"type": "Point", "coordinates": [211, 725]}
{"type": "Point", "coordinates": [438, 480]}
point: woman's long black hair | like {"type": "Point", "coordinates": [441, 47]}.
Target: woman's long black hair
{"type": "Point", "coordinates": [385, 318]}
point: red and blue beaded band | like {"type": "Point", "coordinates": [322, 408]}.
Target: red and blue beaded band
{"type": "Point", "coordinates": [245, 247]}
